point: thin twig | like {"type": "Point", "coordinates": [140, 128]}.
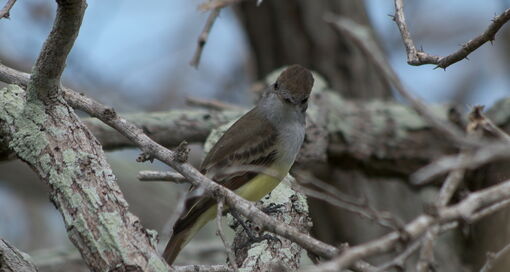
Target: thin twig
{"type": "Point", "coordinates": [211, 104]}
{"type": "Point", "coordinates": [361, 35]}
{"type": "Point", "coordinates": [230, 253]}
{"type": "Point", "coordinates": [492, 258]}
{"type": "Point", "coordinates": [161, 176]}
{"type": "Point", "coordinates": [202, 268]}
{"type": "Point", "coordinates": [478, 121]}
{"type": "Point", "coordinates": [216, 4]}
{"type": "Point", "coordinates": [399, 261]}
{"type": "Point", "coordinates": [416, 57]}
{"type": "Point", "coordinates": [489, 153]}
{"type": "Point", "coordinates": [5, 12]}
{"type": "Point", "coordinates": [464, 210]}
{"type": "Point", "coordinates": [202, 38]}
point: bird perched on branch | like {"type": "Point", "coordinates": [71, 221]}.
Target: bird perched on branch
{"type": "Point", "coordinates": [253, 155]}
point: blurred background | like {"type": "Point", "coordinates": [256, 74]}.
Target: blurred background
{"type": "Point", "coordinates": [135, 57]}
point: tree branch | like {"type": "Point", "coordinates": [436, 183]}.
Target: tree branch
{"type": "Point", "coordinates": [153, 149]}
{"type": "Point", "coordinates": [50, 64]}
{"type": "Point", "coordinates": [204, 35]}
{"type": "Point", "coordinates": [465, 210]}
{"type": "Point", "coordinates": [416, 57]}
{"type": "Point", "coordinates": [45, 133]}
{"type": "Point", "coordinates": [13, 260]}
{"type": "Point", "coordinates": [5, 12]}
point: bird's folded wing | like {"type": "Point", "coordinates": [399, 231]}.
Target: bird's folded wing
{"type": "Point", "coordinates": [246, 149]}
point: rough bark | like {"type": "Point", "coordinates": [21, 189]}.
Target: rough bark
{"type": "Point", "coordinates": [67, 157]}
{"type": "Point", "coordinates": [13, 260]}
{"type": "Point", "coordinates": [293, 31]}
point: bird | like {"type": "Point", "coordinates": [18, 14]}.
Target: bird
{"type": "Point", "coordinates": [254, 155]}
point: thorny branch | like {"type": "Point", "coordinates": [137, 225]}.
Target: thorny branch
{"type": "Point", "coordinates": [361, 36]}
{"type": "Point", "coordinates": [417, 57]}
{"type": "Point", "coordinates": [5, 12]}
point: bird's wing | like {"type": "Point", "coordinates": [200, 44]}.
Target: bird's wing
{"type": "Point", "coordinates": [234, 160]}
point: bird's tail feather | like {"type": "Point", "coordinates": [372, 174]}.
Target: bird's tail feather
{"type": "Point", "coordinates": [175, 245]}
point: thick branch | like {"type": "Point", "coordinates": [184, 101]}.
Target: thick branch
{"type": "Point", "coordinates": [13, 260]}
{"type": "Point", "coordinates": [43, 131]}
{"type": "Point", "coordinates": [51, 61]}
{"type": "Point", "coordinates": [415, 57]}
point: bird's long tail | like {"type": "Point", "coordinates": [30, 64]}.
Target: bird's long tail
{"type": "Point", "coordinates": [175, 245]}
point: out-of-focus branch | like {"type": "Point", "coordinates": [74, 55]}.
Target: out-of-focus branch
{"type": "Point", "coordinates": [215, 4]}
{"type": "Point", "coordinates": [464, 210]}
{"type": "Point", "coordinates": [161, 176]}
{"type": "Point", "coordinates": [13, 260]}
{"type": "Point", "coordinates": [4, 12]}
{"type": "Point", "coordinates": [211, 104]}
{"type": "Point", "coordinates": [204, 35]}
{"type": "Point", "coordinates": [360, 35]}
{"type": "Point", "coordinates": [492, 258]}
{"type": "Point", "coordinates": [416, 57]}
{"type": "Point", "coordinates": [479, 124]}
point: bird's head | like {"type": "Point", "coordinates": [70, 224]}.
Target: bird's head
{"type": "Point", "coordinates": [293, 86]}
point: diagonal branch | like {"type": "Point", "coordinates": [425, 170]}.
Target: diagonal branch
{"type": "Point", "coordinates": [416, 57]}
{"type": "Point", "coordinates": [360, 35]}
{"type": "Point", "coordinates": [202, 38]}
{"type": "Point", "coordinates": [5, 12]}
{"type": "Point", "coordinates": [13, 260]}
{"type": "Point", "coordinates": [465, 210]}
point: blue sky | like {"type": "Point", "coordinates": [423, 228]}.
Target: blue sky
{"type": "Point", "coordinates": [136, 49]}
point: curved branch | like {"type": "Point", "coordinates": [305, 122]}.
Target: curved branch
{"type": "Point", "coordinates": [416, 57]}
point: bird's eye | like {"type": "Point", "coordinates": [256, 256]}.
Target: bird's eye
{"type": "Point", "coordinates": [304, 100]}
{"type": "Point", "coordinates": [276, 86]}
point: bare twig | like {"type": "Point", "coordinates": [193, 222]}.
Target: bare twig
{"type": "Point", "coordinates": [362, 37]}
{"type": "Point", "coordinates": [161, 176]}
{"type": "Point", "coordinates": [484, 155]}
{"type": "Point", "coordinates": [399, 261]}
{"type": "Point", "coordinates": [426, 259]}
{"type": "Point", "coordinates": [204, 35]}
{"type": "Point", "coordinates": [13, 260]}
{"type": "Point", "coordinates": [492, 258]}
{"type": "Point", "coordinates": [4, 13]}
{"type": "Point", "coordinates": [463, 210]}
{"type": "Point", "coordinates": [211, 104]}
{"type": "Point", "coordinates": [333, 196]}
{"type": "Point", "coordinates": [230, 253]}
{"type": "Point", "coordinates": [203, 268]}
{"type": "Point", "coordinates": [478, 121]}
{"type": "Point", "coordinates": [488, 211]}
{"type": "Point", "coordinates": [416, 57]}
{"type": "Point", "coordinates": [216, 4]}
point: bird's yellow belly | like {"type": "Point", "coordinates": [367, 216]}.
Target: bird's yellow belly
{"type": "Point", "coordinates": [258, 187]}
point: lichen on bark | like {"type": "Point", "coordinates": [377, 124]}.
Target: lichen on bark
{"type": "Point", "coordinates": [55, 143]}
